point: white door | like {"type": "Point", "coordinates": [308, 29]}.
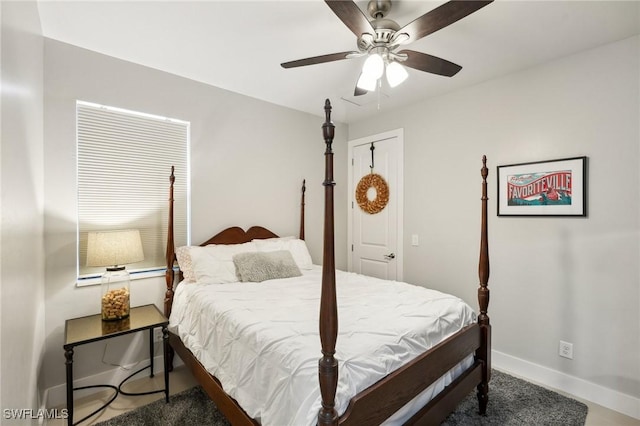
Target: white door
{"type": "Point", "coordinates": [375, 240]}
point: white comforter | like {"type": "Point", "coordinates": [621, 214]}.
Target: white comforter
{"type": "Point", "coordinates": [261, 340]}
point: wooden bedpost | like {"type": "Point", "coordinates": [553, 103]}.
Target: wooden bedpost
{"type": "Point", "coordinates": [304, 189]}
{"type": "Point", "coordinates": [484, 352]}
{"type": "Point", "coordinates": [328, 365]}
{"type": "Point", "coordinates": [170, 252]}
{"type": "Point", "coordinates": [170, 258]}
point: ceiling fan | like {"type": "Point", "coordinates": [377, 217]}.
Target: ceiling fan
{"type": "Point", "coordinates": [381, 40]}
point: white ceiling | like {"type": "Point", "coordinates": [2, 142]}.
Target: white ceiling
{"type": "Point", "coordinates": [239, 45]}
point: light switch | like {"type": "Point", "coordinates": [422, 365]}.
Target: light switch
{"type": "Point", "coordinates": [414, 240]}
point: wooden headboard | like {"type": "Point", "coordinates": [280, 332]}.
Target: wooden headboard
{"type": "Point", "coordinates": [237, 235]}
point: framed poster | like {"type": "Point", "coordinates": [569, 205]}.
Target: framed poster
{"type": "Point", "coordinates": [543, 188]}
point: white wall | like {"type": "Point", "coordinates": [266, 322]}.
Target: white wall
{"type": "Point", "coordinates": [248, 159]}
{"type": "Point", "coordinates": [574, 279]}
{"type": "Point", "coordinates": [21, 232]}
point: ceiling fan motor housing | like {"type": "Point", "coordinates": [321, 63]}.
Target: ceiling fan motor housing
{"type": "Point", "coordinates": [384, 32]}
{"type": "Point", "coordinates": [378, 8]}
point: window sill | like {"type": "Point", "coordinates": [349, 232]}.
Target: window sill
{"type": "Point", "coordinates": [137, 275]}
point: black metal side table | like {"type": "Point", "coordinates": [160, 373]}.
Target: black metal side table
{"type": "Point", "coordinates": [79, 331]}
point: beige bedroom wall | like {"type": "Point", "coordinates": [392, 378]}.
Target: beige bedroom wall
{"type": "Point", "coordinates": [21, 230]}
{"type": "Point", "coordinates": [574, 279]}
{"type": "Point", "coordinates": [248, 159]}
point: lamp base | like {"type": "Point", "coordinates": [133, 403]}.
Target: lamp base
{"type": "Point", "coordinates": [115, 294]}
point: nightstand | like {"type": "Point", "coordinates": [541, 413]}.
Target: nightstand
{"type": "Point", "coordinates": [79, 331]}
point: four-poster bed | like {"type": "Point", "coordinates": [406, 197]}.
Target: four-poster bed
{"type": "Point", "coordinates": [426, 386]}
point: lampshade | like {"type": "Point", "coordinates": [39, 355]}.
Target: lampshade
{"type": "Point", "coordinates": [396, 74]}
{"type": "Point", "coordinates": [112, 248]}
{"type": "Point", "coordinates": [373, 67]}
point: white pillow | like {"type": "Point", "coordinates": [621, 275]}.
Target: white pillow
{"type": "Point", "coordinates": [213, 264]}
{"type": "Point", "coordinates": [297, 247]}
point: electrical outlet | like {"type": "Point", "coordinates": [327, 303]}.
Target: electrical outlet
{"type": "Point", "coordinates": [157, 334]}
{"type": "Point", "coordinates": [566, 350]}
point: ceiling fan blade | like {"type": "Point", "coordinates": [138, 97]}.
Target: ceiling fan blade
{"type": "Point", "coordinates": [359, 92]}
{"type": "Point", "coordinates": [431, 64]}
{"type": "Point", "coordinates": [316, 60]}
{"type": "Point", "coordinates": [351, 16]}
{"type": "Point", "coordinates": [441, 17]}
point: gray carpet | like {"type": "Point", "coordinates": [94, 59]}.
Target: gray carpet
{"type": "Point", "coordinates": [511, 402]}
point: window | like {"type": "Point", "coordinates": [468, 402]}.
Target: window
{"type": "Point", "coordinates": [124, 163]}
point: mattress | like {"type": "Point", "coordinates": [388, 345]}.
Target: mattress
{"type": "Point", "coordinates": [261, 340]}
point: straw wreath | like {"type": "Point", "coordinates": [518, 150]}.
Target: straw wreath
{"type": "Point", "coordinates": [378, 183]}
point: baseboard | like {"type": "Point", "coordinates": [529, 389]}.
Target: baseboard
{"type": "Point", "coordinates": [609, 398]}
{"type": "Point", "coordinates": [56, 396]}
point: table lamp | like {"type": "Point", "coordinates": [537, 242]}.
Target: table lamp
{"type": "Point", "coordinates": [114, 249]}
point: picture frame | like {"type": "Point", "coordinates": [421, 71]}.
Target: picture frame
{"type": "Point", "coordinates": [543, 188]}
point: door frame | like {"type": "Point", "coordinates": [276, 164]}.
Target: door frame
{"type": "Point", "coordinates": [399, 193]}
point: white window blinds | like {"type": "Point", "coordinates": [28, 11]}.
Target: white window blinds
{"type": "Point", "coordinates": [124, 163]}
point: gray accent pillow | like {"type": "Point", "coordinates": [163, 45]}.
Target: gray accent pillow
{"type": "Point", "coordinates": [262, 266]}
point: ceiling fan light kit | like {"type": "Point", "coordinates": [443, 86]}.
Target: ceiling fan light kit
{"type": "Point", "coordinates": [369, 78]}
{"type": "Point", "coordinates": [381, 38]}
